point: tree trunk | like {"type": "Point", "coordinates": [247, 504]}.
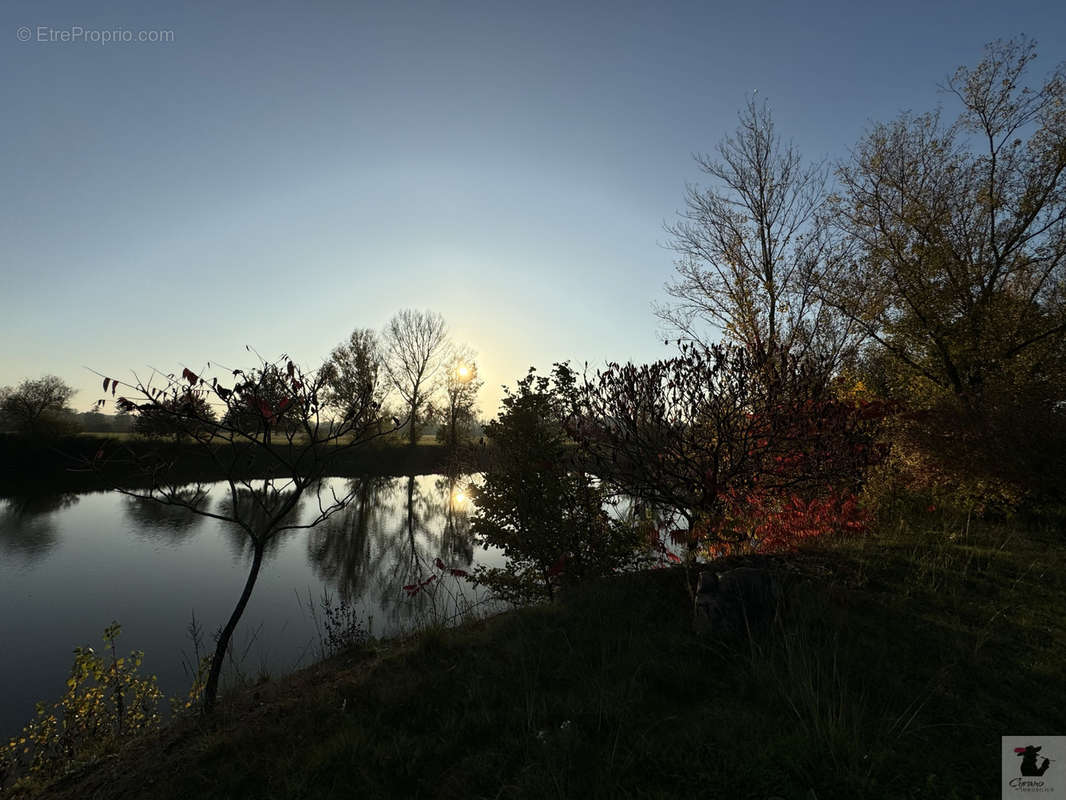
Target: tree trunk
{"type": "Point", "coordinates": [411, 434]}
{"type": "Point", "coordinates": [211, 690]}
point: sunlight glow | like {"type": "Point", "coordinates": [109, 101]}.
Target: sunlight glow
{"type": "Point", "coordinates": [460, 499]}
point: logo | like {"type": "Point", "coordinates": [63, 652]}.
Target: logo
{"type": "Point", "coordinates": [1034, 766]}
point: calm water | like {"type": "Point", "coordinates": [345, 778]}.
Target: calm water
{"type": "Point", "coordinates": [72, 563]}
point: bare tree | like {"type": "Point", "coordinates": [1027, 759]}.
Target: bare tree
{"type": "Point", "coordinates": [752, 248]}
{"type": "Point", "coordinates": [297, 445]}
{"type": "Point", "coordinates": [415, 343]}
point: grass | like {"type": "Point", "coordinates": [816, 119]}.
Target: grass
{"type": "Point", "coordinates": [897, 662]}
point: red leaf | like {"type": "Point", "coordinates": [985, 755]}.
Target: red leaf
{"type": "Point", "coordinates": [263, 409]}
{"type": "Point", "coordinates": [680, 535]}
{"type": "Point", "coordinates": [106, 382]}
{"type": "Point", "coordinates": [439, 564]}
{"type": "Point", "coordinates": [673, 557]}
{"type": "Point", "coordinates": [459, 573]}
{"type": "Point", "coordinates": [190, 376]}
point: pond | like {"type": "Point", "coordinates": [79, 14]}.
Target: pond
{"type": "Point", "coordinates": [71, 563]}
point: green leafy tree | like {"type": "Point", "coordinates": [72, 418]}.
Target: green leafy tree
{"type": "Point", "coordinates": [354, 375]}
{"type": "Point", "coordinates": [184, 416]}
{"type": "Point", "coordinates": [39, 407]}
{"type": "Point", "coordinates": [264, 405]}
{"type": "Point", "coordinates": [537, 504]}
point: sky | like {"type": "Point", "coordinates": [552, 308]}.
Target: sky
{"type": "Point", "coordinates": [277, 174]}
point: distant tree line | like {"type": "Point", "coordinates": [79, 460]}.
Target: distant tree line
{"type": "Point", "coordinates": [411, 376]}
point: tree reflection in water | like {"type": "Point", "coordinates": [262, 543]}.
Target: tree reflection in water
{"type": "Point", "coordinates": [457, 543]}
{"type": "Point", "coordinates": [27, 531]}
{"type": "Point", "coordinates": [436, 525]}
{"type": "Point", "coordinates": [169, 523]}
{"type": "Point", "coordinates": [390, 536]}
{"type": "Point", "coordinates": [340, 549]}
{"type": "Point", "coordinates": [255, 506]}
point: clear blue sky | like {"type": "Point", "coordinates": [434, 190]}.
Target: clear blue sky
{"type": "Point", "coordinates": [280, 173]}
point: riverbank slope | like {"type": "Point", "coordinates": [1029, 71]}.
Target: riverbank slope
{"type": "Point", "coordinates": [898, 662]}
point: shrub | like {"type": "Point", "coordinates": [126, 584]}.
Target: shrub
{"type": "Point", "coordinates": [107, 702]}
{"type": "Point", "coordinates": [541, 509]}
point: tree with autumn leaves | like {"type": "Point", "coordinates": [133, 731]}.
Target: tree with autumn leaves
{"type": "Point", "coordinates": [738, 454]}
{"type": "Point", "coordinates": [933, 268]}
{"type": "Point", "coordinates": [274, 411]}
{"type": "Point", "coordinates": [956, 275]}
{"type": "Point", "coordinates": [732, 455]}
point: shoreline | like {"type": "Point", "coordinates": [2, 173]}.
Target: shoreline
{"type": "Point", "coordinates": [69, 464]}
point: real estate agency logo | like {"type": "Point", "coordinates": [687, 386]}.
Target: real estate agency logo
{"type": "Point", "coordinates": [1034, 765]}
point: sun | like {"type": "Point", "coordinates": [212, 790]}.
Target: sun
{"type": "Point", "coordinates": [464, 371]}
{"type": "Point", "coordinates": [460, 500]}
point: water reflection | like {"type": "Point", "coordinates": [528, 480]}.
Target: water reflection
{"type": "Point", "coordinates": [342, 548]}
{"type": "Point", "coordinates": [256, 506]}
{"type": "Point", "coordinates": [391, 535]}
{"type": "Point", "coordinates": [457, 543]}
{"type": "Point", "coordinates": [97, 558]}
{"type": "Point", "coordinates": [27, 530]}
{"type": "Point", "coordinates": [153, 520]}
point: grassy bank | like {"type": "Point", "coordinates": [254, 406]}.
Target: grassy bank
{"type": "Point", "coordinates": [897, 663]}
{"type": "Point", "coordinates": [70, 463]}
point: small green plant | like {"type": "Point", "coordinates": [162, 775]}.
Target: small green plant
{"type": "Point", "coordinates": [107, 702]}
